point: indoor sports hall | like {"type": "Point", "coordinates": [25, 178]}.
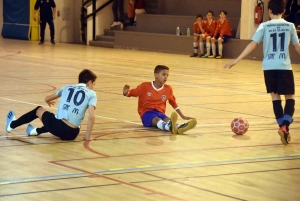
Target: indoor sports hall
{"type": "Point", "coordinates": [127, 161]}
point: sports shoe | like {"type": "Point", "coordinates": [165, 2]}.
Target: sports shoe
{"type": "Point", "coordinates": [172, 124]}
{"type": "Point", "coordinates": [201, 55]}
{"type": "Point", "coordinates": [194, 55]}
{"type": "Point", "coordinates": [29, 129]}
{"type": "Point", "coordinates": [212, 56]}
{"type": "Point", "coordinates": [205, 56]}
{"type": "Point", "coordinates": [41, 42]}
{"type": "Point", "coordinates": [219, 57]}
{"type": "Point", "coordinates": [52, 41]}
{"type": "Point", "coordinates": [114, 24]}
{"type": "Point", "coordinates": [284, 135]}
{"type": "Point", "coordinates": [9, 118]}
{"type": "Point", "coordinates": [187, 126]}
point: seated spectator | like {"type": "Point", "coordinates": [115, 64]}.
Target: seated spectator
{"type": "Point", "coordinates": [210, 28]}
{"type": "Point", "coordinates": [198, 30]}
{"type": "Point", "coordinates": [222, 34]}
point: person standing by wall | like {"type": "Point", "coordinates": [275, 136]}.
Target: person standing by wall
{"type": "Point", "coordinates": [47, 14]}
{"type": "Point", "coordinates": [118, 19]}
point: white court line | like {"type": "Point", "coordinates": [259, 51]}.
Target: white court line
{"type": "Point", "coordinates": [103, 117]}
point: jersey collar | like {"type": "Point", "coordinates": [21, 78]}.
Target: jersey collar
{"type": "Point", "coordinates": [81, 85]}
{"type": "Point", "coordinates": [152, 83]}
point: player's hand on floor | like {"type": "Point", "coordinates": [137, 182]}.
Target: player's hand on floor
{"type": "Point", "coordinates": [51, 103]}
{"type": "Point", "coordinates": [126, 89]}
{"type": "Point", "coordinates": [88, 139]}
{"type": "Point", "coordinates": [230, 64]}
{"type": "Point", "coordinates": [187, 118]}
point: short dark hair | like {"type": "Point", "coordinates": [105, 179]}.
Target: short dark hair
{"type": "Point", "coordinates": [199, 15]}
{"type": "Point", "coordinates": [159, 68]}
{"type": "Point", "coordinates": [210, 11]}
{"type": "Point", "coordinates": [277, 6]}
{"type": "Point", "coordinates": [223, 11]}
{"type": "Point", "coordinates": [86, 75]}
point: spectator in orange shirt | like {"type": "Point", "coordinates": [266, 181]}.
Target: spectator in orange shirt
{"type": "Point", "coordinates": [210, 28]}
{"type": "Point", "coordinates": [153, 97]}
{"type": "Point", "coordinates": [198, 30]}
{"type": "Point", "coordinates": [222, 34]}
{"type": "Point", "coordinates": [131, 12]}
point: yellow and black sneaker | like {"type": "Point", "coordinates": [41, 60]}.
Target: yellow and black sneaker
{"type": "Point", "coordinates": [173, 121]}
{"type": "Point", "coordinates": [187, 126]}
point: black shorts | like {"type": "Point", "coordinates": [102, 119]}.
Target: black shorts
{"type": "Point", "coordinates": [280, 82]}
{"type": "Point", "coordinates": [58, 127]}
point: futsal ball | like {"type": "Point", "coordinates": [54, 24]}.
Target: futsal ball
{"type": "Point", "coordinates": [239, 126]}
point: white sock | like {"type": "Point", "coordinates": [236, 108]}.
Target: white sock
{"type": "Point", "coordinates": [9, 129]}
{"type": "Point", "coordinates": [33, 132]}
{"type": "Point", "coordinates": [163, 125]}
{"type": "Point", "coordinates": [195, 48]}
{"type": "Point", "coordinates": [220, 49]}
{"type": "Point", "coordinates": [208, 48]}
{"type": "Point", "coordinates": [201, 47]}
{"type": "Point", "coordinates": [213, 47]}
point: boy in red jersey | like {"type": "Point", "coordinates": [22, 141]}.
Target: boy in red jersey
{"type": "Point", "coordinates": [222, 34]}
{"type": "Point", "coordinates": [198, 30]}
{"type": "Point", "coordinates": [210, 28]}
{"type": "Point", "coordinates": [152, 103]}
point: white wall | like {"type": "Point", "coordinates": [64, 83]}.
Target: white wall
{"type": "Point", "coordinates": [1, 14]}
{"type": "Point", "coordinates": [104, 19]}
{"type": "Point", "coordinates": [247, 26]}
{"type": "Point", "coordinates": [76, 17]}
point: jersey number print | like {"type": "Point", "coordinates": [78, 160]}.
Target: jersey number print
{"type": "Point", "coordinates": [75, 99]}
{"type": "Point", "coordinates": [282, 39]}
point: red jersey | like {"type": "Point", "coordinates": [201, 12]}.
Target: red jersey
{"type": "Point", "coordinates": [151, 98]}
{"type": "Point", "coordinates": [210, 28]}
{"type": "Point", "coordinates": [223, 28]}
{"type": "Point", "coordinates": [130, 10]}
{"type": "Point", "coordinates": [197, 29]}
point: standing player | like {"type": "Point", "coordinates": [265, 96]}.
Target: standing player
{"type": "Point", "coordinates": [222, 34]}
{"type": "Point", "coordinates": [152, 103]}
{"type": "Point", "coordinates": [210, 28]}
{"type": "Point", "coordinates": [47, 14]}
{"type": "Point", "coordinates": [198, 30]}
{"type": "Point", "coordinates": [75, 100]}
{"type": "Point", "coordinates": [276, 35]}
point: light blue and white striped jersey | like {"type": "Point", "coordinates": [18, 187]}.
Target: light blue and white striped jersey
{"type": "Point", "coordinates": [74, 101]}
{"type": "Point", "coordinates": [276, 35]}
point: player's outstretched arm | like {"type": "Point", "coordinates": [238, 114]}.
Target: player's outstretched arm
{"type": "Point", "coordinates": [297, 48]}
{"type": "Point", "coordinates": [50, 100]}
{"type": "Point", "coordinates": [90, 123]}
{"type": "Point", "coordinates": [182, 116]}
{"type": "Point", "coordinates": [250, 47]}
{"type": "Point", "coordinates": [126, 89]}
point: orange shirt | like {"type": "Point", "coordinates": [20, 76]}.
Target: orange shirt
{"type": "Point", "coordinates": [131, 12]}
{"type": "Point", "coordinates": [223, 28]}
{"type": "Point", "coordinates": [210, 28]}
{"type": "Point", "coordinates": [197, 29]}
{"type": "Point", "coordinates": [151, 98]}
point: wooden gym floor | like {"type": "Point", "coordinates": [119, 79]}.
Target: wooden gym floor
{"type": "Point", "coordinates": [128, 161]}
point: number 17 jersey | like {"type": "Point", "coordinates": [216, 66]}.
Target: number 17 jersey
{"type": "Point", "coordinates": [276, 35]}
{"type": "Point", "coordinates": [74, 101]}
